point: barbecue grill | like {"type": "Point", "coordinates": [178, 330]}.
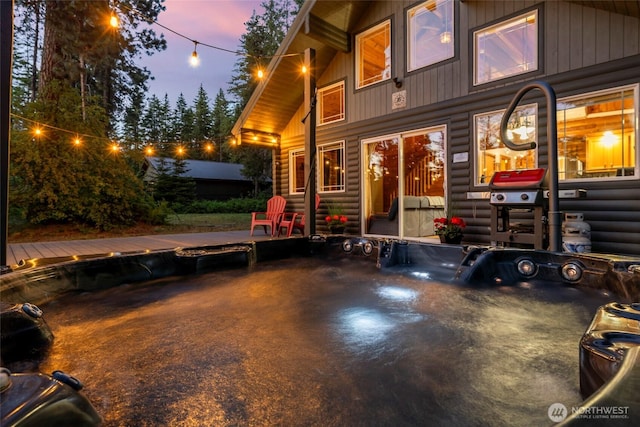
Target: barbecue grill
{"type": "Point", "coordinates": [518, 195]}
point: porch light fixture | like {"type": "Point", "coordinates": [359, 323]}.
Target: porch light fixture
{"type": "Point", "coordinates": [256, 137]}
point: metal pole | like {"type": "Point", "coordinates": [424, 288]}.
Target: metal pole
{"type": "Point", "coordinates": [310, 141]}
{"type": "Point", "coordinates": [6, 59]}
{"type": "Point", "coordinates": [555, 216]}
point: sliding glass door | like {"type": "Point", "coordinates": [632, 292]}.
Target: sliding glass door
{"type": "Point", "coordinates": [410, 164]}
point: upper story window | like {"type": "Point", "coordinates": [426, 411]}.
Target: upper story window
{"type": "Point", "coordinates": [373, 55]}
{"type": "Point", "coordinates": [491, 153]}
{"type": "Point", "coordinates": [331, 167]}
{"type": "Point", "coordinates": [597, 135]}
{"type": "Point", "coordinates": [506, 49]}
{"type": "Point", "coordinates": [331, 103]}
{"type": "Point", "coordinates": [296, 171]}
{"type": "Point", "coordinates": [430, 33]}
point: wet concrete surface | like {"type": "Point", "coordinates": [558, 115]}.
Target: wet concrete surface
{"type": "Point", "coordinates": [330, 342]}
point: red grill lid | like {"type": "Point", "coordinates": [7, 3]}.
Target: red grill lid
{"type": "Point", "coordinates": [525, 178]}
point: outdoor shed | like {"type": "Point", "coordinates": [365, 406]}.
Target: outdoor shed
{"type": "Point", "coordinates": [214, 180]}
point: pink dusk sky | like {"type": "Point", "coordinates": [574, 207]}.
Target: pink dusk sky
{"type": "Point", "coordinates": [214, 22]}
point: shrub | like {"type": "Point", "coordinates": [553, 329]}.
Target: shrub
{"type": "Point", "coordinates": [238, 205]}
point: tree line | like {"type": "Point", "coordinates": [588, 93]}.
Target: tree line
{"type": "Point", "coordinates": [78, 78]}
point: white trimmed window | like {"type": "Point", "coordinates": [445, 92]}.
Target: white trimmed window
{"type": "Point", "coordinates": [331, 167]}
{"type": "Point", "coordinates": [430, 33]}
{"type": "Point", "coordinates": [373, 55]}
{"type": "Point", "coordinates": [597, 135]}
{"type": "Point", "coordinates": [331, 103]}
{"type": "Point", "coordinates": [491, 153]}
{"type": "Point", "coordinates": [296, 171]}
{"type": "Point", "coordinates": [506, 49]}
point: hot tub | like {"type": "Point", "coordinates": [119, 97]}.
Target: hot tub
{"type": "Point", "coordinates": [314, 332]}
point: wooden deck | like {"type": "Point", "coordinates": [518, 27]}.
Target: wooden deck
{"type": "Point", "coordinates": [25, 251]}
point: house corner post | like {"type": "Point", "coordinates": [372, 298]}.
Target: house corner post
{"type": "Point", "coordinates": [310, 141]}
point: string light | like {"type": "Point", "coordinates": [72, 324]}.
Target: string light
{"type": "Point", "coordinates": [114, 147]}
{"type": "Point", "coordinates": [194, 54]}
{"type": "Point", "coordinates": [113, 20]}
{"type": "Point", "coordinates": [195, 61]}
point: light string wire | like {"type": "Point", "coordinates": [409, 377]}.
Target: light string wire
{"type": "Point", "coordinates": [77, 134]}
{"type": "Point", "coordinates": [123, 8]}
{"type": "Point", "coordinates": [112, 141]}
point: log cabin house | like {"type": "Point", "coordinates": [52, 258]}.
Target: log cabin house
{"type": "Point", "coordinates": [408, 98]}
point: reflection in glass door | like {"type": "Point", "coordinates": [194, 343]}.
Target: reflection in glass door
{"type": "Point", "coordinates": [411, 164]}
{"type": "Point", "coordinates": [381, 185]}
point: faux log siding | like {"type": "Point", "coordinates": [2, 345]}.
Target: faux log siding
{"type": "Point", "coordinates": [443, 95]}
{"type": "Point", "coordinates": [570, 43]}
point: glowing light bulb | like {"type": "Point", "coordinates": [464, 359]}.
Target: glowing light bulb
{"type": "Point", "coordinates": [194, 60]}
{"type": "Point", "coordinates": [304, 69]}
{"type": "Point", "coordinates": [115, 148]}
{"type": "Point", "coordinates": [76, 141]}
{"type": "Point", "coordinates": [149, 151]}
{"type": "Point", "coordinates": [260, 73]}
{"type": "Point", "coordinates": [608, 139]}
{"type": "Point", "coordinates": [113, 21]}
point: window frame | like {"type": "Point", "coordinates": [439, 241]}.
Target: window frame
{"type": "Point", "coordinates": [293, 156]}
{"type": "Point", "coordinates": [386, 73]}
{"type": "Point", "coordinates": [502, 25]}
{"type": "Point", "coordinates": [325, 148]}
{"type": "Point", "coordinates": [321, 92]}
{"type": "Point", "coordinates": [477, 175]}
{"type": "Point", "coordinates": [450, 28]}
{"type": "Point", "coordinates": [635, 88]}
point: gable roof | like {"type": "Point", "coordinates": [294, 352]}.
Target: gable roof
{"type": "Point", "coordinates": [322, 25]}
{"type": "Point", "coordinates": [327, 27]}
{"type": "Point", "coordinates": [202, 169]}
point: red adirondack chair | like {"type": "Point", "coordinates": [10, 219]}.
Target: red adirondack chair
{"type": "Point", "coordinates": [295, 220]}
{"type": "Point", "coordinates": [270, 218]}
